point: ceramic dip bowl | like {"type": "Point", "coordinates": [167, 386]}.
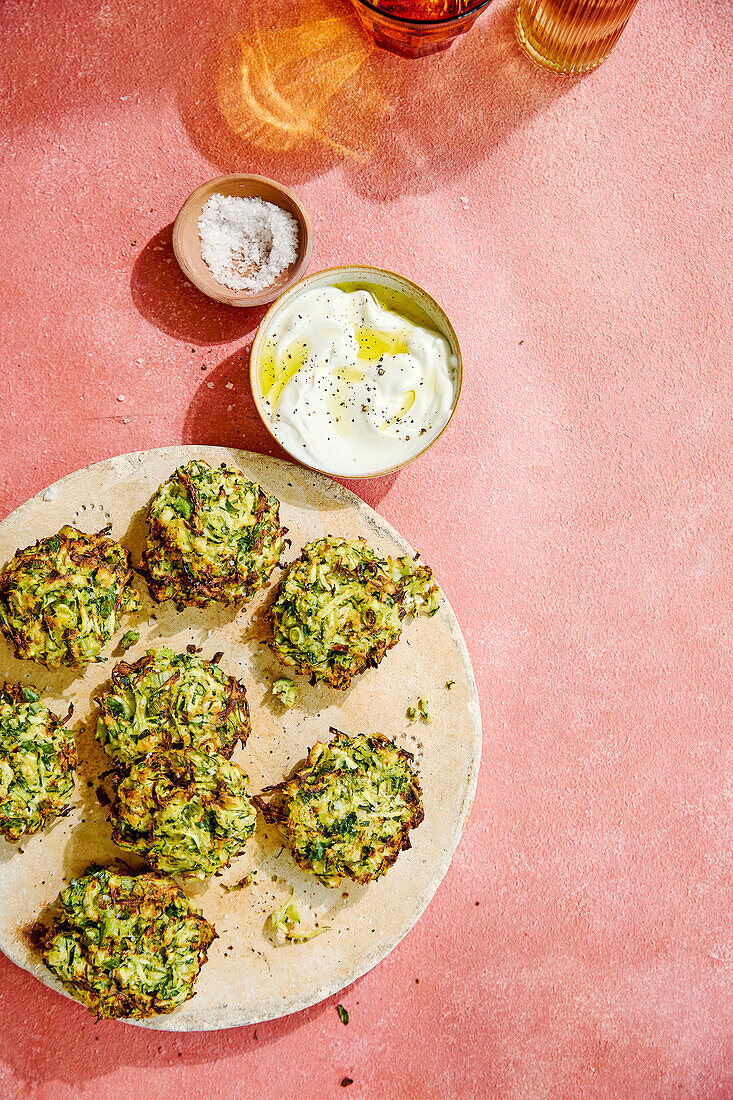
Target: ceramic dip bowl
{"type": "Point", "coordinates": [276, 341]}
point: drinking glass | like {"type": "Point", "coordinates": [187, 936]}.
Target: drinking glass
{"type": "Point", "coordinates": [415, 28]}
{"type": "Point", "coordinates": [571, 36]}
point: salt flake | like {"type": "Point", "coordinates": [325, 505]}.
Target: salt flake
{"type": "Point", "coordinates": [246, 242]}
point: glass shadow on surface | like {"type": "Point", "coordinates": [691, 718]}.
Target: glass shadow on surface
{"type": "Point", "coordinates": [300, 89]}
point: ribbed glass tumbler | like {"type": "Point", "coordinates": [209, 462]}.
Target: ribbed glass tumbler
{"type": "Point", "coordinates": [571, 36]}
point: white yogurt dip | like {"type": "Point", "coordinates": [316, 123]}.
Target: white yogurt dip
{"type": "Point", "coordinates": [353, 387]}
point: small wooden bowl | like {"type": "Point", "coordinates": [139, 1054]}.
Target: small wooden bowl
{"type": "Point", "coordinates": [187, 244]}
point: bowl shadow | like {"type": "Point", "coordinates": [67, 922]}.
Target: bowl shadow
{"type": "Point", "coordinates": [223, 413]}
{"type": "Point", "coordinates": [165, 298]}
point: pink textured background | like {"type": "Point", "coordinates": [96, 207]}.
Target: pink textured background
{"type": "Point", "coordinates": [578, 512]}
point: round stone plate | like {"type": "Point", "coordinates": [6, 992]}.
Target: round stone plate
{"type": "Point", "coordinates": [248, 978]}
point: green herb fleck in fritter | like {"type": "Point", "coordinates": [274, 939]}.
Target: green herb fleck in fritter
{"type": "Point", "coordinates": [171, 700]}
{"type": "Point", "coordinates": [349, 809]}
{"type": "Point", "coordinates": [62, 599]}
{"type": "Point", "coordinates": [213, 536]}
{"type": "Point", "coordinates": [285, 923]}
{"type": "Point", "coordinates": [340, 607]}
{"type": "Point", "coordinates": [126, 946]}
{"type": "Point", "coordinates": [185, 813]}
{"type": "Point", "coordinates": [37, 761]}
{"type": "Point", "coordinates": [130, 637]}
{"type": "Point", "coordinates": [285, 690]}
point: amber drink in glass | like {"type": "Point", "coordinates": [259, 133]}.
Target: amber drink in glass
{"type": "Point", "coordinates": [423, 9]}
{"type": "Point", "coordinates": [571, 36]}
{"type": "Point", "coordinates": [416, 28]}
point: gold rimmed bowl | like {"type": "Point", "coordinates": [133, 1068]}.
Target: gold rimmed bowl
{"type": "Point", "coordinates": [406, 298]}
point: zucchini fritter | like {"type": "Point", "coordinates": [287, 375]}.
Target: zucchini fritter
{"type": "Point", "coordinates": [340, 607]}
{"type": "Point", "coordinates": [37, 761]}
{"type": "Point", "coordinates": [349, 809]}
{"type": "Point", "coordinates": [213, 536]}
{"type": "Point", "coordinates": [185, 813]}
{"type": "Point", "coordinates": [62, 599]}
{"type": "Point", "coordinates": [170, 700]}
{"type": "Point", "coordinates": [126, 946]}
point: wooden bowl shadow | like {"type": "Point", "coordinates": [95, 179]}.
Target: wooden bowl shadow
{"type": "Point", "coordinates": [165, 298]}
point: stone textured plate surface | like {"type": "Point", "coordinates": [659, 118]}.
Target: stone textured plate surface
{"type": "Point", "coordinates": [247, 978]}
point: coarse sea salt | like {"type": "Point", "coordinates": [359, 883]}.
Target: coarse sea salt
{"type": "Point", "coordinates": [246, 243]}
